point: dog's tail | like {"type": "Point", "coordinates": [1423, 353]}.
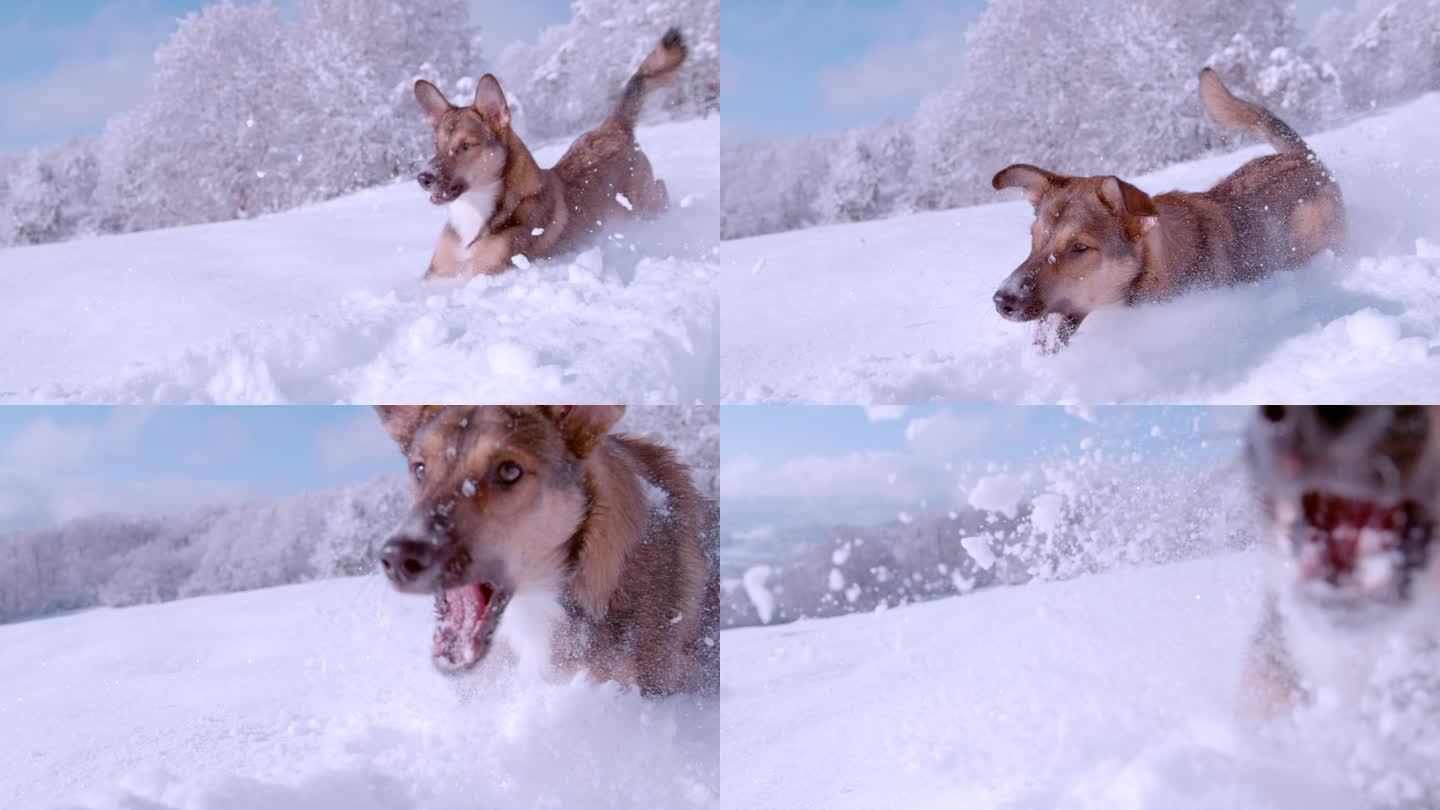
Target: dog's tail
{"type": "Point", "coordinates": [654, 72]}
{"type": "Point", "coordinates": [1235, 113]}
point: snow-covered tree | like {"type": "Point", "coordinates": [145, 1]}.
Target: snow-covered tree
{"type": "Point", "coordinates": [570, 79]}
{"type": "Point", "coordinates": [867, 174]}
{"type": "Point", "coordinates": [49, 194]}
{"type": "Point", "coordinates": [1385, 50]}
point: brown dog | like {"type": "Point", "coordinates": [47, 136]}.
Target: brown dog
{"type": "Point", "coordinates": [1099, 241]}
{"type": "Point", "coordinates": [1350, 497]}
{"type": "Point", "coordinates": [601, 542]}
{"type": "Point", "coordinates": [502, 205]}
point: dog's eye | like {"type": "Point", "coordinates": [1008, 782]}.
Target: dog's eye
{"type": "Point", "coordinates": [464, 147]}
{"type": "Point", "coordinates": [1079, 247]}
{"type": "Point", "coordinates": [418, 469]}
{"type": "Point", "coordinates": [509, 472]}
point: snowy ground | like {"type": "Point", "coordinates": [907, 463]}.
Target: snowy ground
{"type": "Point", "coordinates": [1111, 692]}
{"type": "Point", "coordinates": [900, 310]}
{"type": "Point", "coordinates": [325, 304]}
{"type": "Point", "coordinates": [318, 697]}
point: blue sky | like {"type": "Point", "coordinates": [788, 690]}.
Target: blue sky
{"type": "Point", "coordinates": [799, 66]}
{"type": "Point", "coordinates": [68, 65]}
{"type": "Point", "coordinates": [910, 454]}
{"type": "Point", "coordinates": [60, 462]}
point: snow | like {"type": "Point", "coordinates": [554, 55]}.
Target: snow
{"type": "Point", "coordinates": [326, 303]}
{"type": "Point", "coordinates": [978, 547]}
{"type": "Point", "coordinates": [998, 493]}
{"type": "Point", "coordinates": [1114, 691]}
{"type": "Point", "coordinates": [899, 310]}
{"type": "Point", "coordinates": [754, 581]}
{"type": "Point", "coordinates": [319, 696]}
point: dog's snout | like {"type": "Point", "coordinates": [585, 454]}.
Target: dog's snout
{"type": "Point", "coordinates": [1007, 303]}
{"type": "Point", "coordinates": [427, 179]}
{"type": "Point", "coordinates": [405, 561]}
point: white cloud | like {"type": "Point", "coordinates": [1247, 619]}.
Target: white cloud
{"type": "Point", "coordinates": [884, 413]}
{"type": "Point", "coordinates": [101, 67]}
{"type": "Point", "coordinates": [48, 470]}
{"type": "Point", "coordinates": [44, 447]}
{"type": "Point", "coordinates": [939, 449]}
{"type": "Point", "coordinates": [895, 72]}
{"type": "Point", "coordinates": [951, 433]}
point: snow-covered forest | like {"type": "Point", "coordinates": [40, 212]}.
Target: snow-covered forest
{"type": "Point", "coordinates": [1107, 86]}
{"type": "Point", "coordinates": [1014, 524]}
{"type": "Point", "coordinates": [119, 560]}
{"type": "Point", "coordinates": [253, 110]}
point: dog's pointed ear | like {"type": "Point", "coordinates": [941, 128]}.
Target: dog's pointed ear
{"type": "Point", "coordinates": [583, 426]}
{"type": "Point", "coordinates": [401, 421]}
{"type": "Point", "coordinates": [432, 101]}
{"type": "Point", "coordinates": [490, 102]}
{"type": "Point", "coordinates": [1034, 181]}
{"type": "Point", "coordinates": [1131, 202]}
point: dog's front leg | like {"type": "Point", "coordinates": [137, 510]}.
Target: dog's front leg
{"type": "Point", "coordinates": [1269, 685]}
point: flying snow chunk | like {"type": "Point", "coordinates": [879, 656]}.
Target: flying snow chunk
{"type": "Point", "coordinates": [624, 202]}
{"type": "Point", "coordinates": [687, 201]}
{"type": "Point", "coordinates": [537, 231]}
{"type": "Point", "coordinates": [979, 550]}
{"type": "Point", "coordinates": [468, 488]}
{"type": "Point", "coordinates": [520, 261]}
{"type": "Point", "coordinates": [754, 581]}
{"type": "Point", "coordinates": [998, 493]}
{"type": "Point", "coordinates": [1045, 513]}
{"type": "Point", "coordinates": [837, 580]}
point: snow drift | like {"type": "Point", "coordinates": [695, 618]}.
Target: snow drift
{"type": "Point", "coordinates": [321, 697]}
{"type": "Point", "coordinates": [899, 310]}
{"type": "Point", "coordinates": [1110, 692]}
{"type": "Point", "coordinates": [325, 303]}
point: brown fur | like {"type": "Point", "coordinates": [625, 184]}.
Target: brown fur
{"type": "Point", "coordinates": [538, 213]}
{"type": "Point", "coordinates": [639, 583]}
{"type": "Point", "coordinates": [1099, 241]}
{"type": "Point", "coordinates": [1393, 450]}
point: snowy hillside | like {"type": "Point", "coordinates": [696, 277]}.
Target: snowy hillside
{"type": "Point", "coordinates": [1112, 691]}
{"type": "Point", "coordinates": [325, 304]}
{"type": "Point", "coordinates": [900, 310]}
{"type": "Point", "coordinates": [322, 697]}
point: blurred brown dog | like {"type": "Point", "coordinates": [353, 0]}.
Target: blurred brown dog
{"type": "Point", "coordinates": [1350, 496]}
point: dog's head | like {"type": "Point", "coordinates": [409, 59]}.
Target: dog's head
{"type": "Point", "coordinates": [500, 493]}
{"type": "Point", "coordinates": [1084, 244]}
{"type": "Point", "coordinates": [1351, 495]}
{"type": "Point", "coordinates": [470, 146]}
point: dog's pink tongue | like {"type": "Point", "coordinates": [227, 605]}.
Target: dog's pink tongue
{"type": "Point", "coordinates": [458, 612]}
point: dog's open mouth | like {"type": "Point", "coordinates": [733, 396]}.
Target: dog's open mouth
{"type": "Point", "coordinates": [465, 621]}
{"type": "Point", "coordinates": [444, 196]}
{"type": "Point", "coordinates": [1354, 552]}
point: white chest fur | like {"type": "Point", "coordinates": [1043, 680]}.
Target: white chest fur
{"type": "Point", "coordinates": [529, 625]}
{"type": "Point", "coordinates": [470, 212]}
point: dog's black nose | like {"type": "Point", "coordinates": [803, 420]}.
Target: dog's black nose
{"type": "Point", "coordinates": [427, 179]}
{"type": "Point", "coordinates": [1006, 303]}
{"type": "Point", "coordinates": [405, 561]}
